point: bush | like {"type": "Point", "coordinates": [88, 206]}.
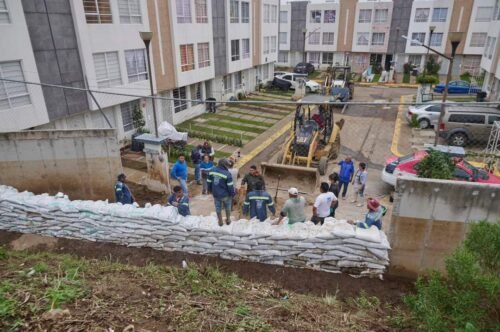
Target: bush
{"type": "Point", "coordinates": [406, 78]}
{"type": "Point", "coordinates": [414, 122]}
{"type": "Point", "coordinates": [407, 67]}
{"type": "Point", "coordinates": [468, 299]}
{"type": "Point", "coordinates": [427, 79]}
{"type": "Point", "coordinates": [466, 77]}
{"type": "Point", "coordinates": [432, 66]}
{"type": "Point", "coordinates": [214, 138]}
{"type": "Point", "coordinates": [436, 165]}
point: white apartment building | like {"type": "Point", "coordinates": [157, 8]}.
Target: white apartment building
{"type": "Point", "coordinates": [490, 61]}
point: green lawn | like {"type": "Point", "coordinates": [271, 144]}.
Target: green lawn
{"type": "Point", "coordinates": [222, 133]}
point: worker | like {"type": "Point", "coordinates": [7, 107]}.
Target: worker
{"type": "Point", "coordinates": [294, 208]}
{"type": "Point", "coordinates": [205, 167]}
{"type": "Point", "coordinates": [196, 156]}
{"type": "Point", "coordinates": [345, 174]}
{"type": "Point", "coordinates": [323, 204]}
{"type": "Point", "coordinates": [359, 184]}
{"type": "Point", "coordinates": [220, 185]}
{"type": "Point", "coordinates": [334, 188]}
{"type": "Point", "coordinates": [374, 215]}
{"type": "Point", "coordinates": [257, 202]}
{"type": "Point", "coordinates": [180, 201]}
{"type": "Point", "coordinates": [122, 192]}
{"type": "Point", "coordinates": [179, 172]}
{"type": "Point", "coordinates": [251, 178]}
{"type": "Point", "coordinates": [208, 149]}
{"type": "Point", "coordinates": [234, 173]}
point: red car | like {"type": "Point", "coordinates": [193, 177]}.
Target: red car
{"type": "Point", "coordinates": [464, 171]}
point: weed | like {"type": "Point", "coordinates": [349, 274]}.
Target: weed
{"type": "Point", "coordinates": [414, 122]}
{"type": "Point", "coordinates": [363, 301]}
{"type": "Point", "coordinates": [330, 300]}
{"type": "Point", "coordinates": [41, 267]}
{"type": "Point", "coordinates": [65, 289]}
{"type": "Point", "coordinates": [242, 310]}
{"type": "Point", "coordinates": [3, 253]}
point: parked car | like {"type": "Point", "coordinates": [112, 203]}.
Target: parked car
{"type": "Point", "coordinates": [279, 73]}
{"type": "Point", "coordinates": [427, 114]}
{"type": "Point", "coordinates": [464, 171]}
{"type": "Point", "coordinates": [295, 79]}
{"type": "Point", "coordinates": [462, 87]}
{"type": "Point", "coordinates": [304, 68]}
{"type": "Point", "coordinates": [461, 126]}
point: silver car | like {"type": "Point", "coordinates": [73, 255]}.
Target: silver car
{"type": "Point", "coordinates": [427, 114]}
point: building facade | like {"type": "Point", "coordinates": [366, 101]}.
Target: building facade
{"type": "Point", "coordinates": [490, 61]}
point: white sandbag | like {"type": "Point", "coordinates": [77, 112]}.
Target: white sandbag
{"type": "Point", "coordinates": [371, 234]}
{"type": "Point", "coordinates": [343, 230]}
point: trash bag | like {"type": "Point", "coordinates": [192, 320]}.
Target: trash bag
{"type": "Point", "coordinates": [168, 131]}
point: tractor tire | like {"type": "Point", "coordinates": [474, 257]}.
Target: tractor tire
{"type": "Point", "coordinates": [279, 159]}
{"type": "Point", "coordinates": [323, 165]}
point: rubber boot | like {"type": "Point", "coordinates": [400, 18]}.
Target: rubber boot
{"type": "Point", "coordinates": [228, 217]}
{"type": "Point", "coordinates": [219, 218]}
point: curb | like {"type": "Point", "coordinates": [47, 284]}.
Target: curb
{"type": "Point", "coordinates": [397, 128]}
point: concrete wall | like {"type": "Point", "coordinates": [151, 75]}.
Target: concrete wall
{"type": "Point", "coordinates": [219, 37]}
{"type": "Point", "coordinates": [298, 18]}
{"type": "Point", "coordinates": [81, 163]}
{"type": "Point", "coordinates": [431, 218]}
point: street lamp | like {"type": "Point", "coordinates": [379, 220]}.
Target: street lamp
{"type": "Point", "coordinates": [431, 31]}
{"type": "Point", "coordinates": [146, 37]}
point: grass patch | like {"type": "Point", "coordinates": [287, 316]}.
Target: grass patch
{"type": "Point", "coordinates": [314, 75]}
{"type": "Point", "coordinates": [242, 121]}
{"type": "Point", "coordinates": [222, 133]}
{"type": "Point", "coordinates": [461, 98]}
{"type": "Point", "coordinates": [406, 78]}
{"type": "Point", "coordinates": [234, 126]}
{"type": "Point", "coordinates": [262, 114]}
{"type": "Point", "coordinates": [376, 78]}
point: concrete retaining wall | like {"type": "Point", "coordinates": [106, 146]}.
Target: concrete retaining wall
{"type": "Point", "coordinates": [334, 247]}
{"type": "Point", "coordinates": [431, 218]}
{"type": "Point", "coordinates": [81, 163]}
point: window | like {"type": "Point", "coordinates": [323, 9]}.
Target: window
{"type": "Point", "coordinates": [314, 38]}
{"type": "Point", "coordinates": [274, 13]}
{"type": "Point", "coordinates": [439, 14]}
{"type": "Point", "coordinates": [201, 11]}
{"type": "Point", "coordinates": [381, 15]}
{"type": "Point", "coordinates": [130, 11]}
{"type": "Point", "coordinates": [234, 11]}
{"type": "Point", "coordinates": [12, 94]}
{"type": "Point", "coordinates": [329, 16]}
{"type": "Point", "coordinates": [107, 69]}
{"type": "Point", "coordinates": [273, 44]}
{"type": "Point", "coordinates": [486, 48]}
{"type": "Point", "coordinates": [283, 57]}
{"type": "Point", "coordinates": [436, 39]}
{"type": "Point", "coordinates": [363, 38]}
{"type": "Point", "coordinates": [127, 110]}
{"type": "Point", "coordinates": [314, 57]}
{"type": "Point", "coordinates": [365, 16]}
{"type": "Point", "coordinates": [228, 85]}
{"type": "Point", "coordinates": [493, 118]}
{"type": "Point", "coordinates": [183, 8]}
{"type": "Point", "coordinates": [328, 38]}
{"type": "Point", "coordinates": [180, 105]}
{"type": "Point", "coordinates": [136, 65]}
{"type": "Point", "coordinates": [196, 93]}
{"type": "Point", "coordinates": [245, 45]}
{"type": "Point", "coordinates": [97, 11]}
{"type": "Point", "coordinates": [267, 14]}
{"type": "Point", "coordinates": [478, 39]}
{"type": "Point", "coordinates": [378, 38]}
{"type": "Point", "coordinates": [498, 13]}
{"type": "Point", "coordinates": [283, 37]}
{"type": "Point", "coordinates": [415, 59]}
{"type": "Point", "coordinates": [237, 80]}
{"type": "Point", "coordinates": [327, 58]}
{"type": "Point", "coordinates": [420, 36]}
{"type": "Point", "coordinates": [315, 16]}
{"type": "Point", "coordinates": [235, 50]}
{"type": "Point", "coordinates": [187, 57]}
{"type": "Point", "coordinates": [4, 13]}
{"type": "Point", "coordinates": [492, 47]}
{"type": "Point", "coordinates": [203, 55]}
{"type": "Point", "coordinates": [467, 118]}
{"type": "Point", "coordinates": [245, 12]}
{"type": "Point", "coordinates": [266, 45]}
{"type": "Point", "coordinates": [484, 14]}
{"type": "Point", "coordinates": [283, 17]}
{"type": "Point", "coordinates": [472, 64]}
{"type": "Point", "coordinates": [422, 14]}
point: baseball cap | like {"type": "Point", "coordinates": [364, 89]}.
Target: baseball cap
{"type": "Point", "coordinates": [293, 191]}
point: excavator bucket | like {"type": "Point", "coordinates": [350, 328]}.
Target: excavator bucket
{"type": "Point", "coordinates": [281, 177]}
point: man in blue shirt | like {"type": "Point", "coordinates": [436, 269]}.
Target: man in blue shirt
{"type": "Point", "coordinates": [345, 174]}
{"type": "Point", "coordinates": [257, 203]}
{"type": "Point", "coordinates": [220, 185]}
{"type": "Point", "coordinates": [180, 201]}
{"type": "Point", "coordinates": [122, 192]}
{"type": "Point", "coordinates": [180, 173]}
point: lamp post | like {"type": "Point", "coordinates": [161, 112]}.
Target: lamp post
{"type": "Point", "coordinates": [431, 31]}
{"type": "Point", "coordinates": [455, 38]}
{"type": "Point", "coordinates": [396, 57]}
{"type": "Point", "coordinates": [146, 37]}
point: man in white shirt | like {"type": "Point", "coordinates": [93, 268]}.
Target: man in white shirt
{"type": "Point", "coordinates": [324, 202]}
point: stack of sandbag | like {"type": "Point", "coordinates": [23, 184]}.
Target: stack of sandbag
{"type": "Point", "coordinates": [334, 247]}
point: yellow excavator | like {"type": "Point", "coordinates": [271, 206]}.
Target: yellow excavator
{"type": "Point", "coordinates": [313, 141]}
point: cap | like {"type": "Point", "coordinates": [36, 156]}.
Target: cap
{"type": "Point", "coordinates": [293, 191]}
{"type": "Point", "coordinates": [373, 204]}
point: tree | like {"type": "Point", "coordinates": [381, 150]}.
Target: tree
{"type": "Point", "coordinates": [432, 66]}
{"type": "Point", "coordinates": [436, 165]}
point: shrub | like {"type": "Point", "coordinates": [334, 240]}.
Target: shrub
{"type": "Point", "coordinates": [436, 165]}
{"type": "Point", "coordinates": [427, 79]}
{"type": "Point", "coordinates": [432, 66]}
{"type": "Point", "coordinates": [466, 77]}
{"type": "Point", "coordinates": [468, 299]}
{"type": "Point", "coordinates": [407, 67]}
{"type": "Point", "coordinates": [214, 138]}
{"type": "Point", "coordinates": [414, 122]}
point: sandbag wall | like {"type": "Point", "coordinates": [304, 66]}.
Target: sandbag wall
{"type": "Point", "coordinates": [334, 247]}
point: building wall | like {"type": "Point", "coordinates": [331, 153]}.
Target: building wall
{"type": "Point", "coordinates": [346, 25]}
{"type": "Point", "coordinates": [475, 26]}
{"type": "Point", "coordinates": [269, 30]}
{"type": "Point", "coordinates": [322, 27]}
{"type": "Point", "coordinates": [286, 27]}
{"type": "Point", "coordinates": [15, 45]}
{"type": "Point", "coordinates": [459, 22]}
{"type": "Point", "coordinates": [238, 31]}
{"type": "Point", "coordinates": [298, 17]}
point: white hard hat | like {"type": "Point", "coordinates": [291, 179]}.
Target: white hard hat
{"type": "Point", "coordinates": [293, 191]}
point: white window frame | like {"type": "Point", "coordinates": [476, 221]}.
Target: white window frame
{"type": "Point", "coordinates": [201, 11]}
{"type": "Point", "coordinates": [245, 16]}
{"type": "Point", "coordinates": [266, 45]}
{"type": "Point", "coordinates": [419, 34]}
{"type": "Point", "coordinates": [234, 11]}
{"type": "Point", "coordinates": [274, 14]}
{"type": "Point", "coordinates": [330, 38]}
{"type": "Point", "coordinates": [315, 16]}
{"type": "Point", "coordinates": [366, 35]}
{"type": "Point", "coordinates": [196, 94]}
{"type": "Point", "coordinates": [203, 55]}
{"type": "Point", "coordinates": [135, 18]}
{"type": "Point", "coordinates": [486, 14]}
{"type": "Point", "coordinates": [97, 14]}
{"type": "Point", "coordinates": [283, 56]}
{"type": "Point", "coordinates": [492, 47]}
{"type": "Point", "coordinates": [273, 43]}
{"type": "Point", "coordinates": [5, 86]}
{"type": "Point", "coordinates": [378, 42]}
{"type": "Point", "coordinates": [187, 66]}
{"type": "Point", "coordinates": [102, 83]}
{"type": "Point", "coordinates": [487, 46]}
{"type": "Point", "coordinates": [180, 105]}
{"type": "Point", "coordinates": [4, 12]}
{"type": "Point", "coordinates": [422, 14]}
{"type": "Point", "coordinates": [138, 75]}
{"type": "Point", "coordinates": [283, 16]}
{"type": "Point", "coordinates": [482, 36]}
{"type": "Point", "coordinates": [183, 11]}
{"type": "Point", "coordinates": [330, 20]}
{"type": "Point", "coordinates": [327, 61]}
{"type": "Point", "coordinates": [283, 38]}
{"type": "Point", "coordinates": [245, 48]}
{"type": "Point", "coordinates": [267, 13]}
{"type": "Point", "coordinates": [314, 38]}
{"type": "Point", "coordinates": [314, 57]}
{"type": "Point", "coordinates": [377, 17]}
{"type": "Point", "coordinates": [128, 108]}
{"type": "Point", "coordinates": [434, 39]}
{"type": "Point", "coordinates": [365, 18]}
{"type": "Point", "coordinates": [439, 17]}
{"type": "Point", "coordinates": [235, 50]}
{"type": "Point", "coordinates": [415, 56]}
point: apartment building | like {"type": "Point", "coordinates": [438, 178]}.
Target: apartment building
{"type": "Point", "coordinates": [210, 49]}
{"type": "Point", "coordinates": [77, 43]}
{"type": "Point", "coordinates": [490, 61]}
